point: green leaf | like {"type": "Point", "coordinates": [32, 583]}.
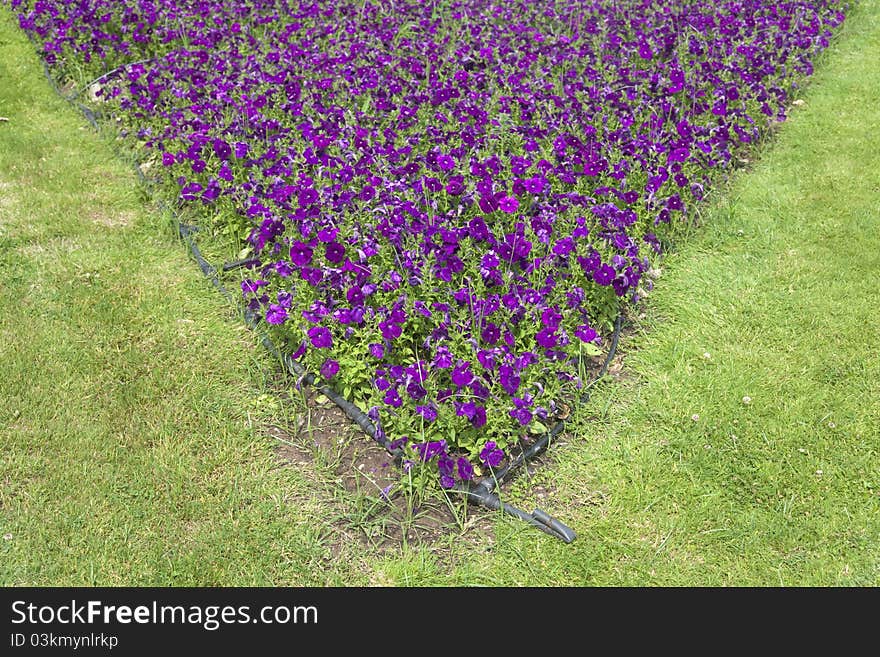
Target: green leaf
{"type": "Point", "coordinates": [538, 427]}
{"type": "Point", "coordinates": [591, 350]}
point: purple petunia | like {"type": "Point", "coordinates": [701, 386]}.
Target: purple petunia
{"type": "Point", "coordinates": [430, 449]}
{"type": "Point", "coordinates": [585, 333]}
{"type": "Point", "coordinates": [276, 314]}
{"type": "Point", "coordinates": [508, 204]}
{"type": "Point", "coordinates": [462, 375]}
{"type": "Point", "coordinates": [521, 415]}
{"type": "Point", "coordinates": [329, 368]}
{"type": "Point", "coordinates": [320, 337]}
{"type": "Point", "coordinates": [547, 338]}
{"type": "Point", "coordinates": [455, 186]}
{"type": "Point", "coordinates": [465, 469]}
{"type": "Point", "coordinates": [334, 252]}
{"type": "Point", "coordinates": [300, 254]}
{"type": "Point", "coordinates": [491, 333]}
{"type": "Point", "coordinates": [427, 412]}
{"type": "Point", "coordinates": [390, 330]}
{"type": "Point", "coordinates": [445, 162]}
{"type": "Point", "coordinates": [221, 149]}
{"type": "Point", "coordinates": [604, 275]}
{"type": "Point", "coordinates": [509, 379]}
{"type": "Point", "coordinates": [491, 455]}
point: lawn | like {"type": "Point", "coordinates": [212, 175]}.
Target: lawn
{"type": "Point", "coordinates": [133, 399]}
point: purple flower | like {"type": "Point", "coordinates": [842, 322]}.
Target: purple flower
{"type": "Point", "coordinates": [300, 254]}
{"type": "Point", "coordinates": [488, 203]}
{"type": "Point", "coordinates": [320, 337]}
{"type": "Point", "coordinates": [392, 398]}
{"type": "Point", "coordinates": [430, 449]}
{"type": "Point", "coordinates": [478, 419]}
{"type": "Point", "coordinates": [455, 186]}
{"type": "Point", "coordinates": [334, 252]}
{"type": "Point", "coordinates": [282, 268]}
{"type": "Point", "coordinates": [550, 318]}
{"type": "Point", "coordinates": [329, 368]}
{"type": "Point", "coordinates": [355, 295]}
{"type": "Point", "coordinates": [445, 163]}
{"type": "Point", "coordinates": [491, 333]}
{"type": "Point", "coordinates": [427, 412]}
{"type": "Point", "coordinates": [508, 204]}
{"type": "Point", "coordinates": [251, 287]}
{"type": "Point", "coordinates": [222, 149]}
{"type": "Point", "coordinates": [462, 375]}
{"type": "Point", "coordinates": [604, 275]}
{"type": "Point", "coordinates": [509, 379]}
{"type": "Point", "coordinates": [585, 333]}
{"type": "Point", "coordinates": [276, 314]}
{"type": "Point", "coordinates": [491, 455]}
{"type": "Point", "coordinates": [312, 276]}
{"type": "Point", "coordinates": [536, 184]}
{"type": "Point", "coordinates": [307, 196]}
{"type": "Point", "coordinates": [446, 464]}
{"type": "Point", "coordinates": [376, 350]}
{"type": "Point", "coordinates": [521, 415]}
{"type": "Point", "coordinates": [465, 469]}
{"type": "Point", "coordinates": [443, 358]}
{"type": "Point", "coordinates": [466, 409]}
{"type": "Point", "coordinates": [678, 155]}
{"type": "Point", "coordinates": [546, 338]}
{"type": "Point", "coordinates": [327, 235]}
{"type": "Point", "coordinates": [564, 246]}
{"type": "Point", "coordinates": [416, 391]}
{"type": "Point", "coordinates": [390, 330]}
{"type": "Point", "coordinates": [590, 263]}
{"type": "Point", "coordinates": [434, 184]}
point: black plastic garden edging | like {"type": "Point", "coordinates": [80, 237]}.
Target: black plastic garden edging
{"type": "Point", "coordinates": [482, 491]}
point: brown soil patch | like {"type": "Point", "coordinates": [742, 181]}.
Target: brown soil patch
{"type": "Point", "coordinates": [364, 479]}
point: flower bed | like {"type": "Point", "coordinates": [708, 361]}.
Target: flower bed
{"type": "Point", "coordinates": [449, 202]}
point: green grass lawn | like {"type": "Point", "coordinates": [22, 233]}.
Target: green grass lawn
{"type": "Point", "coordinates": [742, 446]}
{"type": "Point", "coordinates": [131, 396]}
{"type": "Point", "coordinates": [739, 445]}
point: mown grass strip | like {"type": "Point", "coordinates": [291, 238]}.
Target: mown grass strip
{"type": "Point", "coordinates": [742, 446]}
{"type": "Point", "coordinates": [131, 396]}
